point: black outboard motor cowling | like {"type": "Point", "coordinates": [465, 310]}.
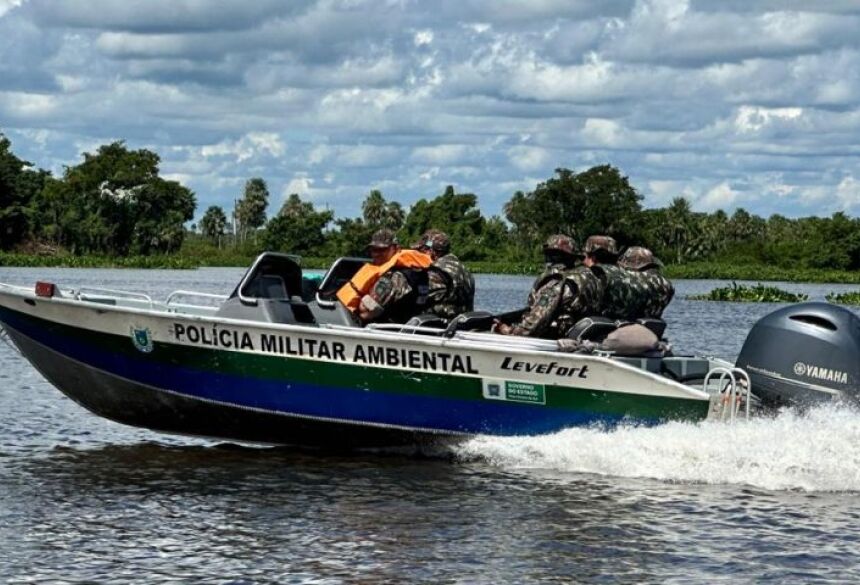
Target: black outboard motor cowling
{"type": "Point", "coordinates": [804, 354]}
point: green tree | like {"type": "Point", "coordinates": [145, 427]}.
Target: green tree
{"type": "Point", "coordinates": [457, 214]}
{"type": "Point", "coordinates": [298, 227]}
{"type": "Point", "coordinates": [19, 185]}
{"type": "Point", "coordinates": [679, 226]}
{"type": "Point", "coordinates": [251, 209]}
{"type": "Point", "coordinates": [378, 213]}
{"type": "Point", "coordinates": [115, 202]}
{"type": "Point", "coordinates": [213, 223]}
{"type": "Point", "coordinates": [597, 201]}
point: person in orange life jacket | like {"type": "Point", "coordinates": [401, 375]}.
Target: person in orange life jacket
{"type": "Point", "coordinates": [400, 293]}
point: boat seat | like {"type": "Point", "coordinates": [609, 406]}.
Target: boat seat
{"type": "Point", "coordinates": [684, 369]}
{"type": "Point", "coordinates": [301, 311]}
{"type": "Point", "coordinates": [470, 321]}
{"type": "Point", "coordinates": [268, 310]}
{"type": "Point", "coordinates": [332, 313]}
{"type": "Point", "coordinates": [593, 328]}
{"type": "Point", "coordinates": [338, 274]}
{"type": "Point", "coordinates": [424, 320]}
{"type": "Point", "coordinates": [655, 326]}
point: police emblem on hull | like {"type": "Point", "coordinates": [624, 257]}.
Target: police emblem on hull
{"type": "Point", "coordinates": [142, 338]}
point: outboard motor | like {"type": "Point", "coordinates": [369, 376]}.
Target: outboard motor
{"type": "Point", "coordinates": [804, 354]}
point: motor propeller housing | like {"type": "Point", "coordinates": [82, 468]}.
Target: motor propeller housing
{"type": "Point", "coordinates": [804, 353]}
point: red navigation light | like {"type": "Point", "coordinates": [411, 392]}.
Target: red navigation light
{"type": "Point", "coordinates": [45, 289]}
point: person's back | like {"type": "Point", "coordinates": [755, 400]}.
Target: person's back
{"type": "Point", "coordinates": [459, 287]}
{"type": "Point", "coordinates": [622, 291]}
{"type": "Point", "coordinates": [563, 294]}
{"type": "Point", "coordinates": [452, 286]}
{"type": "Point", "coordinates": [582, 297]}
{"type": "Point", "coordinates": [654, 291]}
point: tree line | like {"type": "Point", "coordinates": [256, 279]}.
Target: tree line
{"type": "Point", "coordinates": [115, 203]}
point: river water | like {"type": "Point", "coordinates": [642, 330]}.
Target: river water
{"type": "Point", "coordinates": [85, 500]}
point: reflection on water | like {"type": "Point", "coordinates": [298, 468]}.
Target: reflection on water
{"type": "Point", "coordinates": [87, 500]}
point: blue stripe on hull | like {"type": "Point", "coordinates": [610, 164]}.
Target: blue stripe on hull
{"type": "Point", "coordinates": [416, 411]}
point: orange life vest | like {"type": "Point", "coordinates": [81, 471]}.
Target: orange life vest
{"type": "Point", "coordinates": [362, 281]}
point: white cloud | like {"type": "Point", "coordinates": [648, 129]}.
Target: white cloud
{"type": "Point", "coordinates": [721, 196]}
{"type": "Point", "coordinates": [251, 145]}
{"type": "Point", "coordinates": [442, 154]}
{"type": "Point", "coordinates": [752, 119]}
{"type": "Point", "coordinates": [7, 5]}
{"type": "Point", "coordinates": [300, 184]}
{"type": "Point", "coordinates": [848, 192]}
{"type": "Point", "coordinates": [423, 37]}
{"type": "Point", "coordinates": [530, 158]}
{"type": "Point", "coordinates": [28, 106]}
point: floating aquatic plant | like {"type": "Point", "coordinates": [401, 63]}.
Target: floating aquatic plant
{"type": "Point", "coordinates": [846, 298]}
{"type": "Point", "coordinates": [750, 294]}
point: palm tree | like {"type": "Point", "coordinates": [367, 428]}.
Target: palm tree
{"type": "Point", "coordinates": [679, 219]}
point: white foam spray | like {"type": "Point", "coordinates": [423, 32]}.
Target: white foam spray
{"type": "Point", "coordinates": [818, 450]}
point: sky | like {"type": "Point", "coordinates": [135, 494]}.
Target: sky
{"type": "Point", "coordinates": [730, 103]}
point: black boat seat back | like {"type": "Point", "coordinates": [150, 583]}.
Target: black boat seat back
{"type": "Point", "coordinates": [338, 275]}
{"type": "Point", "coordinates": [597, 328]}
{"type": "Point", "coordinates": [272, 276]}
{"type": "Point", "coordinates": [470, 321]}
{"type": "Point", "coordinates": [332, 313]}
{"type": "Point", "coordinates": [424, 320]}
{"type": "Point", "coordinates": [655, 326]}
{"type": "Point", "coordinates": [271, 292]}
{"type": "Point", "coordinates": [593, 328]}
{"type": "Point", "coordinates": [267, 286]}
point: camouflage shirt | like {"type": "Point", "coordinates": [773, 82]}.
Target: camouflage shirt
{"type": "Point", "coordinates": [661, 292]}
{"type": "Point", "coordinates": [396, 298]}
{"type": "Point", "coordinates": [559, 298]}
{"type": "Point", "coordinates": [632, 294]}
{"type": "Point", "coordinates": [452, 287]}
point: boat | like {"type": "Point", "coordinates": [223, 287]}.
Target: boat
{"type": "Point", "coordinates": [280, 361]}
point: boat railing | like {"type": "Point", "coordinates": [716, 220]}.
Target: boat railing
{"type": "Point", "coordinates": [172, 305]}
{"type": "Point", "coordinates": [733, 392]}
{"type": "Point", "coordinates": [409, 329]}
{"type": "Point", "coordinates": [96, 294]}
{"type": "Point", "coordinates": [486, 339]}
{"type": "Point", "coordinates": [508, 341]}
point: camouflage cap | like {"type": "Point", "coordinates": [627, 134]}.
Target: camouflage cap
{"type": "Point", "coordinates": [434, 239]}
{"type": "Point", "coordinates": [596, 243]}
{"type": "Point", "coordinates": [383, 238]}
{"type": "Point", "coordinates": [638, 258]}
{"type": "Point", "coordinates": [560, 243]}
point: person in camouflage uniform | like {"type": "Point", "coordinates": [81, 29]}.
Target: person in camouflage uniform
{"type": "Point", "coordinates": [399, 294]}
{"type": "Point", "coordinates": [656, 290]}
{"type": "Point", "coordinates": [622, 291]}
{"type": "Point", "coordinates": [562, 295]}
{"type": "Point", "coordinates": [452, 286]}
{"type": "Point", "coordinates": [600, 250]}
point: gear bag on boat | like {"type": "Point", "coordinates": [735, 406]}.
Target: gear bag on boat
{"type": "Point", "coordinates": [362, 281]}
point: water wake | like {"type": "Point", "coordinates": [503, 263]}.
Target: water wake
{"type": "Point", "coordinates": [818, 450]}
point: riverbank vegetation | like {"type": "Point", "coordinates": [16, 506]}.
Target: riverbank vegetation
{"type": "Point", "coordinates": [114, 209]}
{"type": "Point", "coordinates": [758, 293]}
